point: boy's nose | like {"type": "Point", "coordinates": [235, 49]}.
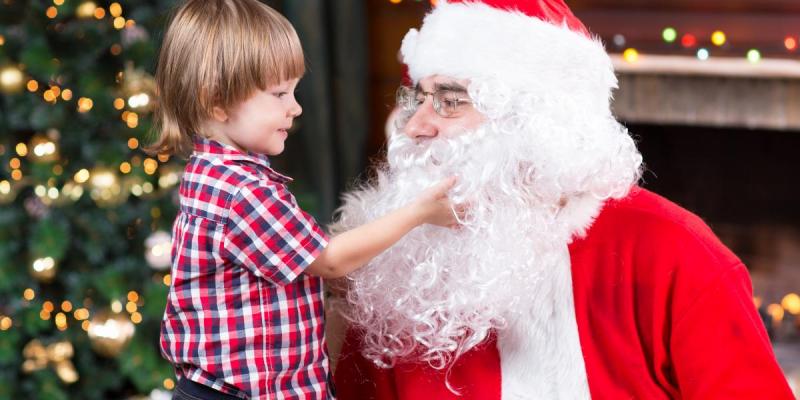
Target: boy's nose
{"type": "Point", "coordinates": [296, 110]}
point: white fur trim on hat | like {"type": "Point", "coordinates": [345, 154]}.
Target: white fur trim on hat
{"type": "Point", "coordinates": [478, 42]}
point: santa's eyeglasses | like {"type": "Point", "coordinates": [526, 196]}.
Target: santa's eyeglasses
{"type": "Point", "coordinates": [446, 102]}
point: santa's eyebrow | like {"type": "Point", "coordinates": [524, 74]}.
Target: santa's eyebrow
{"type": "Point", "coordinates": [448, 86]}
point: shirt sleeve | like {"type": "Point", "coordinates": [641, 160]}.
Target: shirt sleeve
{"type": "Point", "coordinates": [720, 348]}
{"type": "Point", "coordinates": [270, 235]}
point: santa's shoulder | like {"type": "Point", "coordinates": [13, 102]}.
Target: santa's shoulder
{"type": "Point", "coordinates": [645, 228]}
{"type": "Point", "coordinates": [642, 209]}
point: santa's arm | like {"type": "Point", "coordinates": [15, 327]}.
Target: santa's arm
{"type": "Point", "coordinates": [720, 348]}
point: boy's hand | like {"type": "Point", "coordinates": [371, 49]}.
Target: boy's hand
{"type": "Point", "coordinates": [435, 207]}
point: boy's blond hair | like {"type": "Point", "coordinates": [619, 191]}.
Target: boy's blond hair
{"type": "Point", "coordinates": [217, 53]}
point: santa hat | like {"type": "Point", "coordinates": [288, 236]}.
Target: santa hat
{"type": "Point", "coordinates": [530, 45]}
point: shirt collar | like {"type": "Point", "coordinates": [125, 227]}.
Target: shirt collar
{"type": "Point", "coordinates": [229, 153]}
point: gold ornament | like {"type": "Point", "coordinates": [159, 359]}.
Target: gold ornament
{"type": "Point", "coordinates": [11, 79]}
{"type": "Point", "coordinates": [8, 191]}
{"type": "Point", "coordinates": [137, 186]}
{"type": "Point", "coordinates": [106, 189]}
{"type": "Point", "coordinates": [71, 191]}
{"type": "Point", "coordinates": [86, 9]}
{"type": "Point", "coordinates": [51, 196]}
{"type": "Point", "coordinates": [158, 250]}
{"type": "Point", "coordinates": [133, 184]}
{"type": "Point", "coordinates": [169, 175]}
{"type": "Point", "coordinates": [44, 148]}
{"type": "Point", "coordinates": [110, 333]}
{"type": "Point", "coordinates": [58, 355]}
{"type": "Point", "coordinates": [138, 88]}
{"type": "Point", "coordinates": [44, 269]}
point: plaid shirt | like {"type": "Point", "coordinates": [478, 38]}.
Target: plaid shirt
{"type": "Point", "coordinates": [241, 315]}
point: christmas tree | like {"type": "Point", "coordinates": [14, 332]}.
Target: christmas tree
{"type": "Point", "coordinates": [85, 214]}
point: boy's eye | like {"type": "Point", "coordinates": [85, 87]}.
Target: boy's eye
{"type": "Point", "coordinates": [281, 95]}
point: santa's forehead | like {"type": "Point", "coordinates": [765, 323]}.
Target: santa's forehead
{"type": "Point", "coordinates": [428, 83]}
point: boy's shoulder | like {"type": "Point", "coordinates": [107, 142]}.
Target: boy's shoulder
{"type": "Point", "coordinates": [225, 174]}
{"type": "Point", "coordinates": [210, 184]}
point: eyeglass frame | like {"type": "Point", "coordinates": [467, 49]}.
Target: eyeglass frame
{"type": "Point", "coordinates": [406, 94]}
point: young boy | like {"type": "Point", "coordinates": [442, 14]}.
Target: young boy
{"type": "Point", "coordinates": [244, 316]}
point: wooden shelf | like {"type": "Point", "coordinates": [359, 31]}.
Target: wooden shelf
{"type": "Point", "coordinates": [713, 67]}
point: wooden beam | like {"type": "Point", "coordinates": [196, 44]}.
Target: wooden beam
{"type": "Point", "coordinates": [728, 94]}
{"type": "Point", "coordinates": [713, 67]}
{"type": "Point", "coordinates": [715, 6]}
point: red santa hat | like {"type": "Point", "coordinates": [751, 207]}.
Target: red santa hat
{"type": "Point", "coordinates": [534, 45]}
{"type": "Point", "coordinates": [553, 11]}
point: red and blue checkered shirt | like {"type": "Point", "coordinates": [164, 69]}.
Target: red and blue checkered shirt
{"type": "Point", "coordinates": [241, 315]}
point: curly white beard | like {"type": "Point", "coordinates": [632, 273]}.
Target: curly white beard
{"type": "Point", "coordinates": [438, 292]}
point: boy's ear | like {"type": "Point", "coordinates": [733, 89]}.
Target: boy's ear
{"type": "Point", "coordinates": [219, 114]}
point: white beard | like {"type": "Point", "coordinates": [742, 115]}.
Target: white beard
{"type": "Point", "coordinates": [438, 292]}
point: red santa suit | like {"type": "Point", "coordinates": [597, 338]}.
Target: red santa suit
{"type": "Point", "coordinates": [663, 310]}
{"type": "Point", "coordinates": [645, 303]}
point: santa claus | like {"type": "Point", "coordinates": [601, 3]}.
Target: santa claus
{"type": "Point", "coordinates": [565, 280]}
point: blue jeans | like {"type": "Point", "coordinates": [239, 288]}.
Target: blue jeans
{"type": "Point", "coordinates": [191, 390]}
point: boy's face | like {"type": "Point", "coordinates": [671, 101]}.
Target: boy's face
{"type": "Point", "coordinates": [260, 123]}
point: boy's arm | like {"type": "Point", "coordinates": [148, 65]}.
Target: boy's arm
{"type": "Point", "coordinates": [351, 250]}
{"type": "Point", "coordinates": [270, 235]}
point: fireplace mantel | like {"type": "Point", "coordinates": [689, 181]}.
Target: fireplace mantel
{"type": "Point", "coordinates": [718, 92]}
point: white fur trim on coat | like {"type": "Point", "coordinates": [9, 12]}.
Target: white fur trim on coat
{"type": "Point", "coordinates": [540, 353]}
{"type": "Point", "coordinates": [540, 356]}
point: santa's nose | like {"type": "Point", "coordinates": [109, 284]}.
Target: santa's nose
{"type": "Point", "coordinates": [422, 123]}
